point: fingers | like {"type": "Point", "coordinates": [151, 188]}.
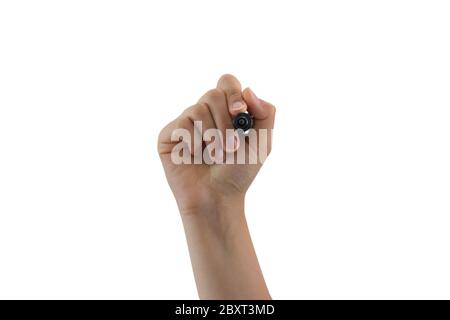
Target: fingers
{"type": "Point", "coordinates": [262, 111]}
{"type": "Point", "coordinates": [195, 120]}
{"type": "Point", "coordinates": [232, 88]}
{"type": "Point", "coordinates": [215, 110]}
{"type": "Point", "coordinates": [165, 143]}
{"type": "Point", "coordinates": [216, 103]}
{"type": "Point", "coordinates": [199, 113]}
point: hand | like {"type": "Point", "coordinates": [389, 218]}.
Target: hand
{"type": "Point", "coordinates": [203, 186]}
{"type": "Point", "coordinates": [211, 196]}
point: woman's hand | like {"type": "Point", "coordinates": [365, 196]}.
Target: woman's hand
{"type": "Point", "coordinates": [203, 185]}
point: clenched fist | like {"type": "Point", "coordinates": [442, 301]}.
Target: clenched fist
{"type": "Point", "coordinates": [208, 183]}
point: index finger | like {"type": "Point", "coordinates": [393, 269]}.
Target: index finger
{"type": "Point", "coordinates": [233, 91]}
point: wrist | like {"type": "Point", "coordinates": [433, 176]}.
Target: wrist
{"type": "Point", "coordinates": [209, 206]}
{"type": "Point", "coordinates": [220, 218]}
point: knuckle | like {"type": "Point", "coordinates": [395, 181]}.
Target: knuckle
{"type": "Point", "coordinates": [163, 139]}
{"type": "Point", "coordinates": [162, 132]}
{"type": "Point", "coordinates": [227, 77]}
{"type": "Point", "coordinates": [200, 111]}
{"type": "Point", "coordinates": [228, 81]}
{"type": "Point", "coordinates": [215, 95]}
{"type": "Point", "coordinates": [271, 108]}
{"type": "Point", "coordinates": [183, 121]}
{"type": "Point", "coordinates": [160, 136]}
{"type": "Point", "coordinates": [274, 110]}
{"type": "Point", "coordinates": [234, 95]}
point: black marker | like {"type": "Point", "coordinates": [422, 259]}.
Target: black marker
{"type": "Point", "coordinates": [243, 121]}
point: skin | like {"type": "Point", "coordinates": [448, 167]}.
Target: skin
{"type": "Point", "coordinates": [211, 197]}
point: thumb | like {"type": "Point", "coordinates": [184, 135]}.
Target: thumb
{"type": "Point", "coordinates": [262, 111]}
{"type": "Point", "coordinates": [263, 114]}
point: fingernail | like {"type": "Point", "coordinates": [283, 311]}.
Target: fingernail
{"type": "Point", "coordinates": [238, 105]}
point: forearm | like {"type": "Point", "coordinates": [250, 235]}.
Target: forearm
{"type": "Point", "coordinates": [223, 258]}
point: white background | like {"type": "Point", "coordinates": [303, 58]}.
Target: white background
{"type": "Point", "coordinates": [354, 201]}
